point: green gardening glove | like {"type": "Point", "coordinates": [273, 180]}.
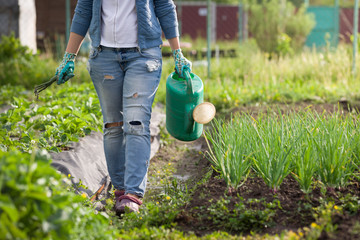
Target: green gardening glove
{"type": "Point", "coordinates": [181, 63]}
{"type": "Point", "coordinates": [66, 69]}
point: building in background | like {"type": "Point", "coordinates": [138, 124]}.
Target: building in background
{"type": "Point", "coordinates": [36, 22]}
{"type": "Point", "coordinates": [19, 17]}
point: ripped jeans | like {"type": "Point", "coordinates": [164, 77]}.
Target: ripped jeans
{"type": "Point", "coordinates": [126, 81]}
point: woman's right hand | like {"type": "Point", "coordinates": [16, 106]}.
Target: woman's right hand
{"type": "Point", "coordinates": [66, 69]}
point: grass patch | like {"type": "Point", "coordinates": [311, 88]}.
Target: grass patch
{"type": "Point", "coordinates": [252, 78]}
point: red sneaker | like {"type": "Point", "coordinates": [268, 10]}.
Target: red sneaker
{"type": "Point", "coordinates": [127, 203]}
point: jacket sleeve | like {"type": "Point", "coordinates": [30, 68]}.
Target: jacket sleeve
{"type": "Point", "coordinates": [166, 13]}
{"type": "Point", "coordinates": [82, 17]}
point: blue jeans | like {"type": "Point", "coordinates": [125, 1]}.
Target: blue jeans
{"type": "Point", "coordinates": [126, 81]}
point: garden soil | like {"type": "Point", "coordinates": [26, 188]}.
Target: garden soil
{"type": "Point", "coordinates": [294, 213]}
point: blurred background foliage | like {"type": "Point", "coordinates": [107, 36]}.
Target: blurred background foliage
{"type": "Point", "coordinates": [278, 27]}
{"type": "Point", "coordinates": [297, 3]}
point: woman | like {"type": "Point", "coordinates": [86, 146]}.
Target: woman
{"type": "Point", "coordinates": [125, 66]}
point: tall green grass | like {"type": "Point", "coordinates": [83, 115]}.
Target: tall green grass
{"type": "Point", "coordinates": [310, 146]}
{"type": "Point", "coordinates": [252, 77]}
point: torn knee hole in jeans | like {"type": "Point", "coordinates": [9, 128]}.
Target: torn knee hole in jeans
{"type": "Point", "coordinates": [135, 123]}
{"type": "Point", "coordinates": [114, 124]}
{"type": "Point", "coordinates": [108, 77]}
{"type": "Point", "coordinates": [135, 127]}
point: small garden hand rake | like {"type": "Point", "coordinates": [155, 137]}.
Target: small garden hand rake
{"type": "Point", "coordinates": [43, 86]}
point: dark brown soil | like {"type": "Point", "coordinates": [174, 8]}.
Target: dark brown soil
{"type": "Point", "coordinates": [186, 158]}
{"type": "Point", "coordinates": [348, 227]}
{"type": "Point", "coordinates": [296, 208]}
{"type": "Point", "coordinates": [295, 212]}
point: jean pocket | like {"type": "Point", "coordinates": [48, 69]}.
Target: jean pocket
{"type": "Point", "coordinates": [93, 52]}
{"type": "Point", "coordinates": [154, 53]}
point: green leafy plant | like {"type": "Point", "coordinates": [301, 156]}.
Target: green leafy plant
{"type": "Point", "coordinates": [284, 44]}
{"type": "Point", "coordinates": [323, 215]}
{"type": "Point", "coordinates": [350, 203]}
{"type": "Point", "coordinates": [12, 50]}
{"type": "Point", "coordinates": [7, 92]}
{"type": "Point", "coordinates": [52, 123]}
{"type": "Point", "coordinates": [34, 203]}
{"type": "Point", "coordinates": [242, 218]}
{"type": "Point", "coordinates": [20, 66]}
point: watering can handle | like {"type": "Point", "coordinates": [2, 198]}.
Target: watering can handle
{"type": "Point", "coordinates": [189, 84]}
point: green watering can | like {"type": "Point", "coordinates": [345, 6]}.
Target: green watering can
{"type": "Point", "coordinates": [186, 111]}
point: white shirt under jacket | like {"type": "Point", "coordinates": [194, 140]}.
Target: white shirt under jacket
{"type": "Point", "coordinates": [119, 24]}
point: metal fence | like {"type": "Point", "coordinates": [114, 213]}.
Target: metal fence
{"type": "Point", "coordinates": [34, 21]}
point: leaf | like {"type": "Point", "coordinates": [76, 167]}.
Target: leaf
{"type": "Point", "coordinates": [64, 138]}
{"type": "Point", "coordinates": [39, 196]}
{"type": "Point", "coordinates": [6, 226]}
{"type": "Point", "coordinates": [7, 206]}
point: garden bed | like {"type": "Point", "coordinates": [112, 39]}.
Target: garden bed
{"type": "Point", "coordinates": [293, 212]}
{"type": "Point", "coordinates": [254, 208]}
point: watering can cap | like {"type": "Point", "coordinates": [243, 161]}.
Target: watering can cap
{"type": "Point", "coordinates": [204, 112]}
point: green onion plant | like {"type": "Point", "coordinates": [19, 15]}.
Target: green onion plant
{"type": "Point", "coordinates": [273, 146]}
{"type": "Point", "coordinates": [311, 146]}
{"type": "Point", "coordinates": [230, 151]}
{"type": "Point", "coordinates": [333, 136]}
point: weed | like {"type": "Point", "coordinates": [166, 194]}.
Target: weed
{"type": "Point", "coordinates": [323, 220]}
{"type": "Point", "coordinates": [350, 203]}
{"type": "Point", "coordinates": [242, 218]}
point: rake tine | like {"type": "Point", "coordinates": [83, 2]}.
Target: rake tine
{"type": "Point", "coordinates": [41, 87]}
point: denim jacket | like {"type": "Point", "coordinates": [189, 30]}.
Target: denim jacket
{"type": "Point", "coordinates": [154, 16]}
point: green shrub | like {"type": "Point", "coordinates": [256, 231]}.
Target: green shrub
{"type": "Point", "coordinates": [35, 205]}
{"type": "Point", "coordinates": [11, 49]}
{"type": "Point", "coordinates": [18, 66]}
{"type": "Point", "coordinates": [271, 19]}
{"type": "Point", "coordinates": [299, 26]}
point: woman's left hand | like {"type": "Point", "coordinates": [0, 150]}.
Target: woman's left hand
{"type": "Point", "coordinates": [181, 63]}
